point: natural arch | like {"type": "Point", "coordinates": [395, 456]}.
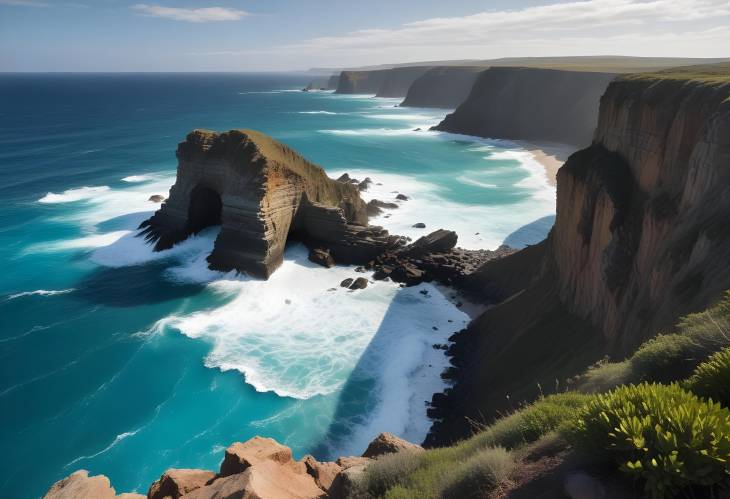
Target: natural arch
{"type": "Point", "coordinates": [204, 209]}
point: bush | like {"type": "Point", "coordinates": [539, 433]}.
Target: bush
{"type": "Point", "coordinates": [479, 475]}
{"type": "Point", "coordinates": [662, 434]}
{"type": "Point", "coordinates": [530, 423]}
{"type": "Point", "coordinates": [388, 471]}
{"type": "Point", "coordinates": [711, 379]}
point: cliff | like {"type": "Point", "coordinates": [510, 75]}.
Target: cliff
{"type": "Point", "coordinates": [393, 82]}
{"type": "Point", "coordinates": [640, 238]}
{"type": "Point", "coordinates": [324, 83]}
{"type": "Point", "coordinates": [443, 87]}
{"type": "Point", "coordinates": [531, 104]}
{"type": "Point", "coordinates": [260, 192]}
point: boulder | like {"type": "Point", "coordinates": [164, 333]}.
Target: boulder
{"type": "Point", "coordinates": [323, 473]}
{"type": "Point", "coordinates": [79, 485]}
{"type": "Point", "coordinates": [156, 198]}
{"type": "Point", "coordinates": [376, 207]}
{"type": "Point", "coordinates": [346, 283]}
{"type": "Point", "coordinates": [175, 483]}
{"type": "Point", "coordinates": [346, 482]}
{"type": "Point", "coordinates": [264, 480]}
{"type": "Point", "coordinates": [419, 225]}
{"type": "Point", "coordinates": [439, 241]}
{"type": "Point", "coordinates": [363, 186]}
{"type": "Point", "coordinates": [387, 443]}
{"type": "Point", "coordinates": [321, 257]}
{"type": "Point", "coordinates": [241, 456]}
{"type": "Point", "coordinates": [402, 197]}
{"type": "Point", "coordinates": [360, 283]}
{"type": "Point", "coordinates": [346, 462]}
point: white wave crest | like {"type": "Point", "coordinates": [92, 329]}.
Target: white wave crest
{"type": "Point", "coordinates": [136, 178]}
{"type": "Point", "coordinates": [41, 292]}
{"type": "Point", "coordinates": [72, 195]}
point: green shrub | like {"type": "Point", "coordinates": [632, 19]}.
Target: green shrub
{"type": "Point", "coordinates": [388, 471]}
{"type": "Point", "coordinates": [662, 434]}
{"type": "Point", "coordinates": [711, 379]}
{"type": "Point", "coordinates": [529, 423]}
{"type": "Point", "coordinates": [479, 475]}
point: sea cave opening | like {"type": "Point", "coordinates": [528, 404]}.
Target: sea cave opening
{"type": "Point", "coordinates": [204, 210]}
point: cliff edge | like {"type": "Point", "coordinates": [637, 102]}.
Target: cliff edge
{"type": "Point", "coordinates": [640, 238]}
{"type": "Point", "coordinates": [531, 104]}
{"type": "Point", "coordinates": [443, 87]}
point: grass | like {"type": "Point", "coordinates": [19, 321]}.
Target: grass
{"type": "Point", "coordinates": [710, 73]}
{"type": "Point", "coordinates": [667, 357]}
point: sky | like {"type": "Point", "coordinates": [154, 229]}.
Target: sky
{"type": "Point", "coordinates": [283, 35]}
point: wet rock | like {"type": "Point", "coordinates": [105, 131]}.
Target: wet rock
{"type": "Point", "coordinates": [419, 225]}
{"type": "Point", "coordinates": [363, 186]}
{"type": "Point", "coordinates": [387, 443]}
{"type": "Point", "coordinates": [376, 207]}
{"type": "Point", "coordinates": [175, 483]}
{"type": "Point", "coordinates": [360, 283]}
{"type": "Point", "coordinates": [321, 257]}
{"type": "Point", "coordinates": [439, 241]}
{"type": "Point", "coordinates": [346, 283]}
{"type": "Point", "coordinates": [402, 197]}
{"type": "Point", "coordinates": [156, 198]}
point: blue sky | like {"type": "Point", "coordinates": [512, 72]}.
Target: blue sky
{"type": "Point", "coordinates": [251, 35]}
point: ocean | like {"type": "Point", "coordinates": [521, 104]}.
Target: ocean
{"type": "Point", "coordinates": [126, 362]}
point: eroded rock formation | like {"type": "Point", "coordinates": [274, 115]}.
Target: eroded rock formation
{"type": "Point", "coordinates": [640, 239]}
{"type": "Point", "coordinates": [261, 192]}
{"type": "Point", "coordinates": [444, 87]}
{"type": "Point", "coordinates": [393, 82]}
{"type": "Point", "coordinates": [531, 104]}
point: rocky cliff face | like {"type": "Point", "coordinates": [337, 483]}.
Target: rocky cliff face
{"type": "Point", "coordinates": [393, 82]}
{"type": "Point", "coordinates": [532, 104]}
{"type": "Point", "coordinates": [261, 193]}
{"type": "Point", "coordinates": [640, 238]}
{"type": "Point", "coordinates": [444, 87]}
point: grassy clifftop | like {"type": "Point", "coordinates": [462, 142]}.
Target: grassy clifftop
{"type": "Point", "coordinates": [711, 73]}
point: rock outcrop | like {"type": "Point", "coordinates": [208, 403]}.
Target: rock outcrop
{"type": "Point", "coordinates": [260, 468]}
{"type": "Point", "coordinates": [531, 104]}
{"type": "Point", "coordinates": [640, 239]}
{"type": "Point", "coordinates": [261, 192]}
{"type": "Point", "coordinates": [443, 87]}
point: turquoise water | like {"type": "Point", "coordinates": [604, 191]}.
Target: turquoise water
{"type": "Point", "coordinates": [125, 362]}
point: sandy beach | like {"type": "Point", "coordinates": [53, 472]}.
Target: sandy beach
{"type": "Point", "coordinates": [551, 155]}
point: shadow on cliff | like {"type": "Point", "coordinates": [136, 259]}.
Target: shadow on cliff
{"type": "Point", "coordinates": [531, 233]}
{"type": "Point", "coordinates": [364, 400]}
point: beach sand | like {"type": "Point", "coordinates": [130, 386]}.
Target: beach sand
{"type": "Point", "coordinates": [551, 155]}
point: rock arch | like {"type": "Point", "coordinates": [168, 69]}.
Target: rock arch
{"type": "Point", "coordinates": [266, 191]}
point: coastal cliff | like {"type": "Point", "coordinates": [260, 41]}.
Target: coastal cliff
{"type": "Point", "coordinates": [393, 82]}
{"type": "Point", "coordinates": [260, 192]}
{"type": "Point", "coordinates": [443, 87]}
{"type": "Point", "coordinates": [531, 104]}
{"type": "Point", "coordinates": [640, 238]}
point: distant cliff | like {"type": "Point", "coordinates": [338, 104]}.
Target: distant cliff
{"type": "Point", "coordinates": [393, 82]}
{"type": "Point", "coordinates": [641, 237]}
{"type": "Point", "coordinates": [445, 87]}
{"type": "Point", "coordinates": [324, 83]}
{"type": "Point", "coordinates": [532, 104]}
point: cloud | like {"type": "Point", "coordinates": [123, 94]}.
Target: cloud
{"type": "Point", "coordinates": [200, 15]}
{"type": "Point", "coordinates": [23, 3]}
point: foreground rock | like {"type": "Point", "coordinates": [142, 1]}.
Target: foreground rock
{"type": "Point", "coordinates": [260, 468]}
{"type": "Point", "coordinates": [175, 483]}
{"type": "Point", "coordinates": [260, 191]}
{"type": "Point", "coordinates": [387, 443]}
{"type": "Point", "coordinates": [80, 485]}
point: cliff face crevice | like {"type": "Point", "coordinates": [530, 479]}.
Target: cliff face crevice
{"type": "Point", "coordinates": [641, 238]}
{"type": "Point", "coordinates": [531, 104]}
{"type": "Point", "coordinates": [260, 192]}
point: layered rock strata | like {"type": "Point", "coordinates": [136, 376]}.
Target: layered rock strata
{"type": "Point", "coordinates": [640, 239]}
{"type": "Point", "coordinates": [261, 192]}
{"type": "Point", "coordinates": [531, 104]}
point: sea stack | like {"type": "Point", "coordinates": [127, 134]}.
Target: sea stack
{"type": "Point", "coordinates": [260, 192]}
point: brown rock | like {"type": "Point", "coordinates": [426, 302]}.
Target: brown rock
{"type": "Point", "coordinates": [321, 257]}
{"type": "Point", "coordinates": [376, 207]}
{"type": "Point", "coordinates": [264, 480]}
{"type": "Point", "coordinates": [346, 283]}
{"type": "Point", "coordinates": [346, 481]}
{"type": "Point", "coordinates": [360, 283]}
{"type": "Point", "coordinates": [157, 198]}
{"type": "Point", "coordinates": [178, 482]}
{"type": "Point", "coordinates": [439, 241]}
{"type": "Point", "coordinates": [387, 443]}
{"type": "Point", "coordinates": [346, 462]}
{"type": "Point", "coordinates": [131, 495]}
{"type": "Point", "coordinates": [323, 473]}
{"type": "Point", "coordinates": [402, 197]}
{"type": "Point", "coordinates": [79, 485]}
{"type": "Point", "coordinates": [241, 456]}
